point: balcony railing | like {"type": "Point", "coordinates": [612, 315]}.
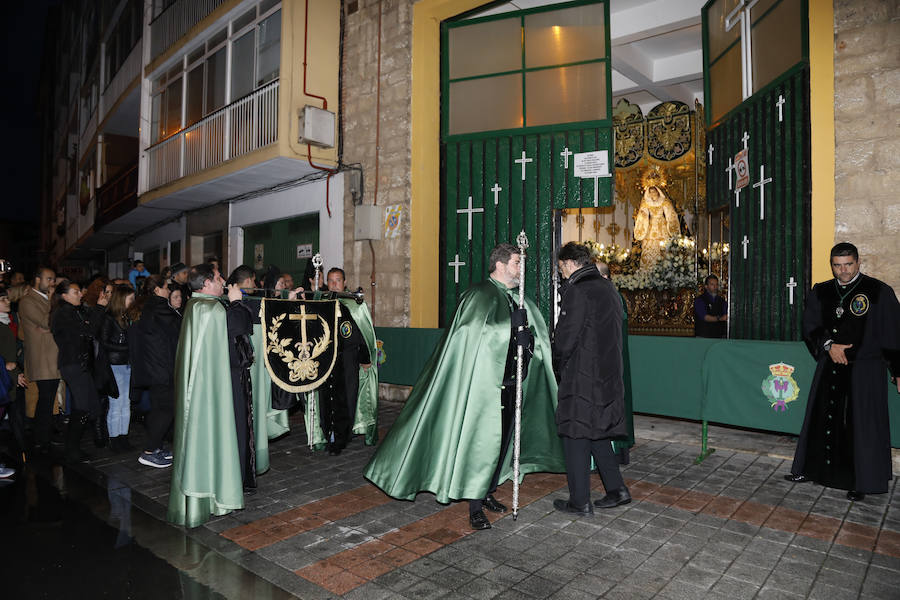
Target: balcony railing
{"type": "Point", "coordinates": [234, 130]}
{"type": "Point", "coordinates": [127, 73]}
{"type": "Point", "coordinates": [117, 196]}
{"type": "Point", "coordinates": [177, 20]}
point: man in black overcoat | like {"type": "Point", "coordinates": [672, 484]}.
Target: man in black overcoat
{"type": "Point", "coordinates": [851, 325]}
{"type": "Point", "coordinates": [587, 359]}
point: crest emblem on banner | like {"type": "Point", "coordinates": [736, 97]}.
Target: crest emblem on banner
{"type": "Point", "coordinates": [301, 342]}
{"type": "Point", "coordinates": [779, 387]}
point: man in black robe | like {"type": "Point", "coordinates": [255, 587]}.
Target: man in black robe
{"type": "Point", "coordinates": [851, 325]}
{"type": "Point", "coordinates": [339, 393]}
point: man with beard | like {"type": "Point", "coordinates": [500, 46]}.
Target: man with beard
{"type": "Point", "coordinates": [453, 434]}
{"type": "Point", "coordinates": [851, 325]}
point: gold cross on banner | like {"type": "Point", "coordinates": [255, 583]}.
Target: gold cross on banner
{"type": "Point", "coordinates": [303, 318]}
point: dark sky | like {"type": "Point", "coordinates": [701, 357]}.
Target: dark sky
{"type": "Point", "coordinates": [24, 36]}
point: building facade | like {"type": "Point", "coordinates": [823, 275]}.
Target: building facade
{"type": "Point", "coordinates": [260, 132]}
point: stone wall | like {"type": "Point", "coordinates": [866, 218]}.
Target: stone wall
{"type": "Point", "coordinates": [867, 133]}
{"type": "Point", "coordinates": [360, 67]}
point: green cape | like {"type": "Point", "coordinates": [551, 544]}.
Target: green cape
{"type": "Point", "coordinates": [268, 423]}
{"type": "Point", "coordinates": [366, 419]}
{"type": "Point", "coordinates": [446, 439]}
{"type": "Point", "coordinates": [619, 445]}
{"type": "Point", "coordinates": [206, 473]}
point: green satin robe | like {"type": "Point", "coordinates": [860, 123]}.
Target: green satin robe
{"type": "Point", "coordinates": [268, 423]}
{"type": "Point", "coordinates": [619, 445]}
{"type": "Point", "coordinates": [206, 472]}
{"type": "Point", "coordinates": [365, 420]}
{"type": "Point", "coordinates": [446, 439]}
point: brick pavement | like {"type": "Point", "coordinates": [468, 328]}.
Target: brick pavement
{"type": "Point", "coordinates": [730, 527]}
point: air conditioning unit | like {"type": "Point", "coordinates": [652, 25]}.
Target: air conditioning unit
{"type": "Point", "coordinates": [316, 127]}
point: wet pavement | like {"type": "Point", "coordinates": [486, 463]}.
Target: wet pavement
{"type": "Point", "coordinates": [729, 527]}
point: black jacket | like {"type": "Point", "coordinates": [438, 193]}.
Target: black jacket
{"type": "Point", "coordinates": [73, 333]}
{"type": "Point", "coordinates": [587, 357]}
{"type": "Point", "coordinates": [152, 342]}
{"type": "Point", "coordinates": [114, 340]}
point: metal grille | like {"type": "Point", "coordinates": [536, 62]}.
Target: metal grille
{"type": "Point", "coordinates": [177, 20]}
{"type": "Point", "coordinates": [778, 245]}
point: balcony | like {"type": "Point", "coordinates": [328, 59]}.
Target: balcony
{"type": "Point", "coordinates": [177, 20]}
{"type": "Point", "coordinates": [117, 197]}
{"type": "Point", "coordinates": [121, 81]}
{"type": "Point", "coordinates": [239, 128]}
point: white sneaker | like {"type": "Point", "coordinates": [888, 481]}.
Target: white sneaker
{"type": "Point", "coordinates": [6, 472]}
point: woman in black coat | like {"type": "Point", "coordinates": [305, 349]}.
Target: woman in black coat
{"type": "Point", "coordinates": [587, 357]}
{"type": "Point", "coordinates": [73, 333]}
{"type": "Point", "coordinates": [152, 342]}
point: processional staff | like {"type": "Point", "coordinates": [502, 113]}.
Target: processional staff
{"type": "Point", "coordinates": [522, 241]}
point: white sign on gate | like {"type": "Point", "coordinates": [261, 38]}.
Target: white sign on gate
{"type": "Point", "coordinates": [304, 250]}
{"type": "Point", "coordinates": [590, 165]}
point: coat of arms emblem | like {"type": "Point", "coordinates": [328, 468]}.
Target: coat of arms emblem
{"type": "Point", "coordinates": [779, 387]}
{"type": "Point", "coordinates": [301, 347]}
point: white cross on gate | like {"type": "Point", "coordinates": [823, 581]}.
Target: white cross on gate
{"type": "Point", "coordinates": [737, 197]}
{"type": "Point", "coordinates": [790, 286]}
{"type": "Point", "coordinates": [523, 161]}
{"type": "Point", "coordinates": [596, 185]}
{"type": "Point", "coordinates": [761, 184]}
{"type": "Point", "coordinates": [496, 189]}
{"type": "Point", "coordinates": [779, 104]}
{"type": "Point", "coordinates": [565, 154]}
{"type": "Point", "coordinates": [745, 242]}
{"type": "Point", "coordinates": [469, 212]}
{"type": "Point", "coordinates": [710, 152]}
{"type": "Point", "coordinates": [745, 138]}
{"type": "Point", "coordinates": [731, 168]}
{"type": "Point", "coordinates": [456, 264]}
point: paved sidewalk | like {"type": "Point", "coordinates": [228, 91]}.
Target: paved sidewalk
{"type": "Point", "coordinates": [727, 528]}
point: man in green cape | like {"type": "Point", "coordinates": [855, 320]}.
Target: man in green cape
{"type": "Point", "coordinates": [206, 478]}
{"type": "Point", "coordinates": [452, 436]}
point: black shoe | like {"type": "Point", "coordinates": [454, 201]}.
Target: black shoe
{"type": "Point", "coordinates": [565, 506]}
{"type": "Point", "coordinates": [614, 498]}
{"type": "Point", "coordinates": [855, 496]}
{"type": "Point", "coordinates": [78, 456]}
{"type": "Point", "coordinates": [796, 478]}
{"type": "Point", "coordinates": [492, 505]}
{"type": "Point", "coordinates": [479, 521]}
{"type": "Point", "coordinates": [334, 450]}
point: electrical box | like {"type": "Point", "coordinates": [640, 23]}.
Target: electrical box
{"type": "Point", "coordinates": [368, 222]}
{"type": "Point", "coordinates": [316, 127]}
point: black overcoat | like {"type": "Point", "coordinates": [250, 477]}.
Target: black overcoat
{"type": "Point", "coordinates": [845, 441]}
{"type": "Point", "coordinates": [587, 357]}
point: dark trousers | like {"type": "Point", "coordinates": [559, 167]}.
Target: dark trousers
{"type": "Point", "coordinates": [335, 400]}
{"type": "Point", "coordinates": [43, 412]}
{"type": "Point", "coordinates": [243, 419]}
{"type": "Point", "coordinates": [161, 415]}
{"type": "Point", "coordinates": [507, 414]}
{"type": "Point", "coordinates": [578, 467]}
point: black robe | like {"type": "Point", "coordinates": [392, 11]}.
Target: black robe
{"type": "Point", "coordinates": [239, 320]}
{"type": "Point", "coordinates": [340, 392]}
{"type": "Point", "coordinates": [845, 441]}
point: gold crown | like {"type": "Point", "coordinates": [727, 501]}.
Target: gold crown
{"type": "Point", "coordinates": [781, 370]}
{"type": "Point", "coordinates": [653, 176]}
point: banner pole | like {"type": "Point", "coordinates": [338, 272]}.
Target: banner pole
{"type": "Point", "coordinates": [522, 241]}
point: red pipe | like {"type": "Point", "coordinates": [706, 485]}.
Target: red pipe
{"type": "Point", "coordinates": [324, 107]}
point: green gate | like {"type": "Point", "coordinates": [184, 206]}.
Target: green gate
{"type": "Point", "coordinates": [513, 117]}
{"type": "Point", "coordinates": [279, 241]}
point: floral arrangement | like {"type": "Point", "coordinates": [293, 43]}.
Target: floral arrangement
{"type": "Point", "coordinates": [675, 269]}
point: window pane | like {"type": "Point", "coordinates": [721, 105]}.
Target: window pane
{"type": "Point", "coordinates": [486, 104]}
{"type": "Point", "coordinates": [725, 83]}
{"type": "Point", "coordinates": [566, 94]}
{"type": "Point", "coordinates": [719, 39]}
{"type": "Point", "coordinates": [242, 65]}
{"type": "Point", "coordinates": [776, 42]}
{"type": "Point", "coordinates": [215, 81]}
{"type": "Point", "coordinates": [565, 36]}
{"type": "Point", "coordinates": [217, 39]}
{"type": "Point", "coordinates": [269, 55]}
{"type": "Point", "coordinates": [156, 118]}
{"type": "Point", "coordinates": [173, 108]}
{"type": "Point", "coordinates": [267, 5]}
{"type": "Point", "coordinates": [194, 108]}
{"type": "Point", "coordinates": [196, 55]}
{"type": "Point", "coordinates": [491, 47]}
{"type": "Point", "coordinates": [244, 20]}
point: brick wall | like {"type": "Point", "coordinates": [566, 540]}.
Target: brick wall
{"type": "Point", "coordinates": [867, 132]}
{"type": "Point", "coordinates": [392, 257]}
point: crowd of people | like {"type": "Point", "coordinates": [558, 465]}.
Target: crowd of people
{"type": "Point", "coordinates": [100, 355]}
